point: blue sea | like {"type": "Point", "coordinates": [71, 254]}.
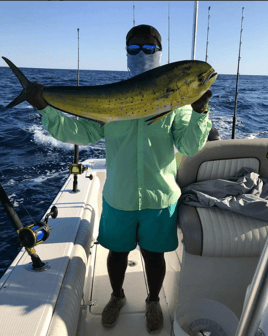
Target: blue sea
{"type": "Point", "coordinates": [34, 165]}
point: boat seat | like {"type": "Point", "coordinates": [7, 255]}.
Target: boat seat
{"type": "Point", "coordinates": [213, 232]}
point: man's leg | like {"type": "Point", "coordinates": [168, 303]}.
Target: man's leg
{"type": "Point", "coordinates": [117, 265]}
{"type": "Point", "coordinates": [155, 266]}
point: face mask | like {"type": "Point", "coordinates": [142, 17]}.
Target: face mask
{"type": "Point", "coordinates": [142, 62]}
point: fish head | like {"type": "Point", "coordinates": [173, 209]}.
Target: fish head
{"type": "Point", "coordinates": [193, 78]}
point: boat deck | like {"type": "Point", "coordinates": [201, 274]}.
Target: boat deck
{"type": "Point", "coordinates": [132, 320]}
{"type": "Point", "coordinates": [68, 299]}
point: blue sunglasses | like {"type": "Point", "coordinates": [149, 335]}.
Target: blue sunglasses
{"type": "Point", "coordinates": [146, 48]}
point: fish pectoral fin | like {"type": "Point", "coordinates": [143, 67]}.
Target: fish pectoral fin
{"type": "Point", "coordinates": [165, 94]}
{"type": "Point", "coordinates": [157, 117]}
{"type": "Point", "coordinates": [102, 123]}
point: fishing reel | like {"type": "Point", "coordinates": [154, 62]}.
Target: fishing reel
{"type": "Point", "coordinates": [31, 235]}
{"type": "Point", "coordinates": [77, 168]}
{"type": "Point", "coordinates": [37, 233]}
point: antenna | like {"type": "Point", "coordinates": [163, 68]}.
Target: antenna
{"type": "Point", "coordinates": [133, 13]}
{"type": "Point", "coordinates": [237, 77]}
{"type": "Point", "coordinates": [78, 60]}
{"type": "Point", "coordinates": [168, 33]}
{"type": "Point", "coordinates": [195, 29]}
{"type": "Point", "coordinates": [207, 34]}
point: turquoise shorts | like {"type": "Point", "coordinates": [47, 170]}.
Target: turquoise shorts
{"type": "Point", "coordinates": [155, 230]}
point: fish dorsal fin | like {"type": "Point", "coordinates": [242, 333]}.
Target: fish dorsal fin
{"type": "Point", "coordinates": [165, 94]}
{"type": "Point", "coordinates": [158, 117]}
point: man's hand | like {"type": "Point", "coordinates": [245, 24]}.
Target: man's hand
{"type": "Point", "coordinates": [34, 95]}
{"type": "Point", "coordinates": [201, 105]}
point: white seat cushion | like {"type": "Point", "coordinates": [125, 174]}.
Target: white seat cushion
{"type": "Point", "coordinates": [213, 232]}
{"type": "Point", "coordinates": [220, 169]}
{"type": "Point", "coordinates": [228, 234]}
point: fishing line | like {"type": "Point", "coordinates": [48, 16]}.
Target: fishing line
{"type": "Point", "coordinates": [21, 203]}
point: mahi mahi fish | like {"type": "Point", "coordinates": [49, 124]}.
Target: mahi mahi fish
{"type": "Point", "coordinates": [154, 93]}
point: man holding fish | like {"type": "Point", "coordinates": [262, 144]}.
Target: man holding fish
{"type": "Point", "coordinates": [140, 194]}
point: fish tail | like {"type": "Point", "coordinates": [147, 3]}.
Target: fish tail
{"type": "Point", "coordinates": [23, 80]}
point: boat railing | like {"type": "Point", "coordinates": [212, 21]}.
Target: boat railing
{"type": "Point", "coordinates": [257, 298]}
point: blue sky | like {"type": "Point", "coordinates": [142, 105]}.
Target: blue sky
{"type": "Point", "coordinates": [43, 34]}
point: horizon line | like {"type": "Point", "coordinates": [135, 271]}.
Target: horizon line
{"type": "Point", "coordinates": [118, 70]}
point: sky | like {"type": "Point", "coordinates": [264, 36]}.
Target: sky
{"type": "Point", "coordinates": [43, 34]}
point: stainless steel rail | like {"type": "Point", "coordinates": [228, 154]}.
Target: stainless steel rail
{"type": "Point", "coordinates": [257, 298]}
{"type": "Point", "coordinates": [194, 29]}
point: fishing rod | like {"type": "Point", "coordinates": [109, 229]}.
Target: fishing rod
{"type": "Point", "coordinates": [207, 34]}
{"type": "Point", "coordinates": [195, 29]}
{"type": "Point", "coordinates": [133, 14]}
{"type": "Point", "coordinates": [168, 32]}
{"type": "Point", "coordinates": [76, 168]}
{"type": "Point", "coordinates": [78, 59]}
{"type": "Point", "coordinates": [31, 235]}
{"type": "Point", "coordinates": [76, 147]}
{"type": "Point", "coordinates": [237, 78]}
{"type": "Point", "coordinates": [21, 203]}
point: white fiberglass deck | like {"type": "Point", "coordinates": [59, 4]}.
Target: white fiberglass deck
{"type": "Point", "coordinates": [53, 303]}
{"type": "Point", "coordinates": [69, 298]}
{"type": "Point", "coordinates": [132, 320]}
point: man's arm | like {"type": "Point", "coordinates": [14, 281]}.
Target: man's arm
{"type": "Point", "coordinates": [79, 132]}
{"type": "Point", "coordinates": [191, 128]}
{"type": "Point", "coordinates": [61, 127]}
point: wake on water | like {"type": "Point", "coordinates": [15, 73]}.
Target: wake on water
{"type": "Point", "coordinates": [35, 165]}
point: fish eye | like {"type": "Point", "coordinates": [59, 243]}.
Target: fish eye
{"type": "Point", "coordinates": [200, 79]}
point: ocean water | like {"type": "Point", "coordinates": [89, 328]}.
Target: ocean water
{"type": "Point", "coordinates": [34, 165]}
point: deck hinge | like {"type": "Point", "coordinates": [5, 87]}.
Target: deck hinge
{"type": "Point", "coordinates": [92, 303]}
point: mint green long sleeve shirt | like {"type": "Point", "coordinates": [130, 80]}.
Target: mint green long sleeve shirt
{"type": "Point", "coordinates": [140, 159]}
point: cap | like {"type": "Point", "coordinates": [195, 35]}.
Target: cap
{"type": "Point", "coordinates": [144, 29]}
